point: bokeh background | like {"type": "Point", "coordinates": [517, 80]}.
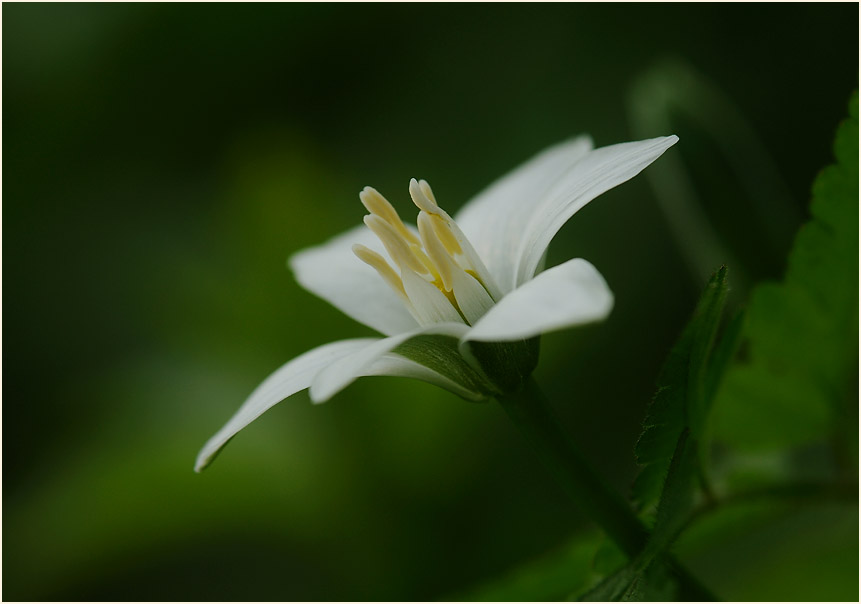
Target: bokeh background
{"type": "Point", "coordinates": [162, 161]}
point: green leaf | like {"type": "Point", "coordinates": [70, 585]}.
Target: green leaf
{"type": "Point", "coordinates": [648, 577]}
{"type": "Point", "coordinates": [590, 568]}
{"type": "Point", "coordinates": [608, 558]}
{"type": "Point", "coordinates": [795, 381]}
{"type": "Point", "coordinates": [682, 400]}
{"type": "Point", "coordinates": [677, 497]}
{"type": "Point", "coordinates": [636, 582]}
{"type": "Point", "coordinates": [554, 577]}
{"type": "Point", "coordinates": [622, 586]}
{"type": "Point", "coordinates": [669, 448]}
{"type": "Point", "coordinates": [767, 549]}
{"type": "Point", "coordinates": [723, 353]}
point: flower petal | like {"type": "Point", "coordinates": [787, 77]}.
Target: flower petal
{"type": "Point", "coordinates": [597, 172]}
{"type": "Point", "coordinates": [334, 273]}
{"type": "Point", "coordinates": [493, 221]}
{"type": "Point", "coordinates": [570, 294]}
{"type": "Point", "coordinates": [392, 364]}
{"type": "Point", "coordinates": [292, 377]}
{"type": "Point", "coordinates": [345, 370]}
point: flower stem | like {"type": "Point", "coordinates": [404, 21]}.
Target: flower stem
{"type": "Point", "coordinates": [530, 410]}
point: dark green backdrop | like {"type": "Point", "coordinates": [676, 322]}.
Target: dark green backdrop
{"type": "Point", "coordinates": [162, 161]}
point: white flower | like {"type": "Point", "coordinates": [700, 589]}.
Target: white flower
{"type": "Point", "coordinates": [458, 299]}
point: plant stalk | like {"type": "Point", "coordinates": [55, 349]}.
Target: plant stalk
{"type": "Point", "coordinates": [530, 410]}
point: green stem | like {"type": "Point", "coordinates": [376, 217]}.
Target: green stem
{"type": "Point", "coordinates": [530, 410]}
{"type": "Point", "coordinates": [532, 413]}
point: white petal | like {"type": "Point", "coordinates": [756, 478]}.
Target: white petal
{"type": "Point", "coordinates": [334, 273]}
{"type": "Point", "coordinates": [396, 365]}
{"type": "Point", "coordinates": [570, 294]}
{"type": "Point", "coordinates": [493, 221]}
{"type": "Point", "coordinates": [292, 377]}
{"type": "Point", "coordinates": [597, 172]}
{"type": "Point", "coordinates": [343, 372]}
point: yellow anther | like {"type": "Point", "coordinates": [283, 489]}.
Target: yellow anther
{"type": "Point", "coordinates": [426, 189]}
{"type": "Point", "coordinates": [378, 263]}
{"type": "Point", "coordinates": [436, 250]}
{"type": "Point", "coordinates": [378, 205]}
{"type": "Point", "coordinates": [439, 261]}
{"type": "Point", "coordinates": [445, 234]}
{"type": "Point", "coordinates": [423, 258]}
{"type": "Point", "coordinates": [399, 249]}
{"type": "Point", "coordinates": [422, 201]}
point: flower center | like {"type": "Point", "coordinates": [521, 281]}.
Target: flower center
{"type": "Point", "coordinates": [439, 276]}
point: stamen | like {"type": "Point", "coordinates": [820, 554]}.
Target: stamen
{"type": "Point", "coordinates": [378, 205]}
{"type": "Point", "coordinates": [423, 258]}
{"type": "Point", "coordinates": [398, 249]}
{"type": "Point", "coordinates": [468, 257]}
{"type": "Point", "coordinates": [378, 263]}
{"type": "Point", "coordinates": [426, 189]}
{"type": "Point", "coordinates": [436, 250]}
{"type": "Point", "coordinates": [422, 201]}
{"type": "Point", "coordinates": [441, 276]}
{"type": "Point", "coordinates": [446, 236]}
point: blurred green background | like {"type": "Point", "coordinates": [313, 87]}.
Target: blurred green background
{"type": "Point", "coordinates": [162, 162]}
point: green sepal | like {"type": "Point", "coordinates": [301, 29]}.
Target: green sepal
{"type": "Point", "coordinates": [505, 365]}
{"type": "Point", "coordinates": [486, 368]}
{"type": "Point", "coordinates": [441, 354]}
